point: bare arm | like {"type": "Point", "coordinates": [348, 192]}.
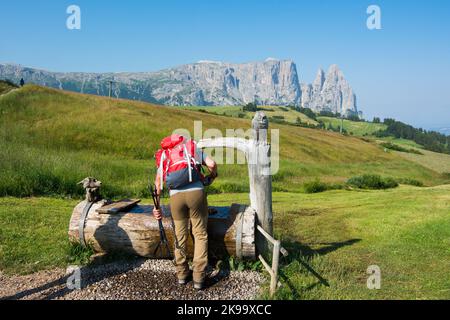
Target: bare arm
{"type": "Point", "coordinates": [158, 182]}
{"type": "Point", "coordinates": [212, 167]}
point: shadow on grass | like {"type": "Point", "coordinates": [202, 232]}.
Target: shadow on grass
{"type": "Point", "coordinates": [303, 254]}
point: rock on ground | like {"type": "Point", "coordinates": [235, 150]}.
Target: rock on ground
{"type": "Point", "coordinates": [136, 280]}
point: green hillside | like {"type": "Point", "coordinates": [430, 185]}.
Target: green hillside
{"type": "Point", "coordinates": [6, 86]}
{"type": "Point", "coordinates": [357, 128]}
{"type": "Point", "coordinates": [439, 162]}
{"type": "Point", "coordinates": [51, 139]}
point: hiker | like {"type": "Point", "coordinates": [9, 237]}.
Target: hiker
{"type": "Point", "coordinates": [180, 165]}
{"type": "Point", "coordinates": [22, 82]}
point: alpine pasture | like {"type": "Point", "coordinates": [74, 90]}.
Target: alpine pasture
{"type": "Point", "coordinates": [52, 139]}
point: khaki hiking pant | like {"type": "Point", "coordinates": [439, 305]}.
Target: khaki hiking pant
{"type": "Point", "coordinates": [185, 206]}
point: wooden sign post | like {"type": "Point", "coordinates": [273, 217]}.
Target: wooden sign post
{"type": "Point", "coordinates": [257, 153]}
{"type": "Point", "coordinates": [260, 172]}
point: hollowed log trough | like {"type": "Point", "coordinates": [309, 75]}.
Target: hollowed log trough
{"type": "Point", "coordinates": [231, 231]}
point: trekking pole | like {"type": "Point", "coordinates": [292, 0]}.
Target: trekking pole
{"type": "Point", "coordinates": [163, 243]}
{"type": "Point", "coordinates": [156, 201]}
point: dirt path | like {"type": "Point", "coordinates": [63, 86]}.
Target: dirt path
{"type": "Point", "coordinates": [141, 279]}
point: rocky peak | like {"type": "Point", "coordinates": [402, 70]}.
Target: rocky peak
{"type": "Point", "coordinates": [319, 80]}
{"type": "Point", "coordinates": [330, 92]}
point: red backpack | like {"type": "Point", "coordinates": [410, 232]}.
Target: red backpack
{"type": "Point", "coordinates": [176, 162]}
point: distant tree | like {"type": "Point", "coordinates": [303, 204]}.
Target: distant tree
{"type": "Point", "coordinates": [298, 121]}
{"type": "Point", "coordinates": [308, 112]}
{"type": "Point", "coordinates": [327, 113]}
{"type": "Point", "coordinates": [376, 120]}
{"type": "Point", "coordinates": [250, 107]}
{"type": "Point", "coordinates": [321, 124]}
{"type": "Point", "coordinates": [388, 121]}
{"type": "Point", "coordinates": [353, 117]}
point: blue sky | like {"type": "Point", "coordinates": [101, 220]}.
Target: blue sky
{"type": "Point", "coordinates": [401, 71]}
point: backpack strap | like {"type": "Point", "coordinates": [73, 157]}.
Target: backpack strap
{"type": "Point", "coordinates": [161, 170]}
{"type": "Point", "coordinates": [188, 159]}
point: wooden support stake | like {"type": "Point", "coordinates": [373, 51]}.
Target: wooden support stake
{"type": "Point", "coordinates": [275, 263]}
{"type": "Point", "coordinates": [266, 265]}
{"type": "Point", "coordinates": [283, 251]}
{"type": "Point", "coordinates": [273, 271]}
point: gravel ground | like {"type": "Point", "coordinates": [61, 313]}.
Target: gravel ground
{"type": "Point", "coordinates": [136, 280]}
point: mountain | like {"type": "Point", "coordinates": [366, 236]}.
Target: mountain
{"type": "Point", "coordinates": [270, 82]}
{"type": "Point", "coordinates": [329, 92]}
{"type": "Point", "coordinates": [217, 83]}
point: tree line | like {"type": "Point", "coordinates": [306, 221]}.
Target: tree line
{"type": "Point", "coordinates": [430, 140]}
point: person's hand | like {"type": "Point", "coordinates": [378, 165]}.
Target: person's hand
{"type": "Point", "coordinates": [208, 181]}
{"type": "Point", "coordinates": [157, 213]}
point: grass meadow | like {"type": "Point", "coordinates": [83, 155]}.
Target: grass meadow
{"type": "Point", "coordinates": [332, 238]}
{"type": "Point", "coordinates": [354, 127]}
{"type": "Point", "coordinates": [52, 139]}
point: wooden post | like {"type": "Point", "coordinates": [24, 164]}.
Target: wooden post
{"type": "Point", "coordinates": [257, 151]}
{"type": "Point", "coordinates": [260, 177]}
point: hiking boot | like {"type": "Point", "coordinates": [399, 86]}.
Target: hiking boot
{"type": "Point", "coordinates": [199, 285]}
{"type": "Point", "coordinates": [184, 278]}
